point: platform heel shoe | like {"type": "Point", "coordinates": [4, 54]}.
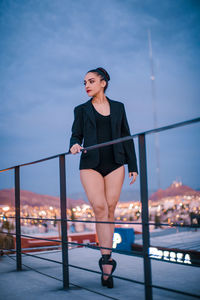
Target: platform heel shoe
{"type": "Point", "coordinates": [104, 260]}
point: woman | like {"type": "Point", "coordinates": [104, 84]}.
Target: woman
{"type": "Point", "coordinates": [99, 120]}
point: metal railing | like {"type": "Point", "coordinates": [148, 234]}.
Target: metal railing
{"type": "Point", "coordinates": [64, 234]}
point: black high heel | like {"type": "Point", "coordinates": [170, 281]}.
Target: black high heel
{"type": "Point", "coordinates": [104, 260]}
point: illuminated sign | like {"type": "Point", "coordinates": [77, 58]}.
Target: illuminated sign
{"type": "Point", "coordinates": [116, 239]}
{"type": "Point", "coordinates": [170, 255]}
{"type": "Point", "coordinates": [123, 238]}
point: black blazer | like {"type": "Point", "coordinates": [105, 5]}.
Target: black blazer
{"type": "Point", "coordinates": [84, 130]}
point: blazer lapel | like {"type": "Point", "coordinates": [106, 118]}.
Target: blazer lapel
{"type": "Point", "coordinates": [114, 115]}
{"type": "Point", "coordinates": [89, 111]}
{"type": "Point", "coordinates": [113, 112]}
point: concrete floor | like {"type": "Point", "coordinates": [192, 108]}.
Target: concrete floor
{"type": "Point", "coordinates": [30, 285]}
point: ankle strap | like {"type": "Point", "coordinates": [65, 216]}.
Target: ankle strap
{"type": "Point", "coordinates": [106, 257]}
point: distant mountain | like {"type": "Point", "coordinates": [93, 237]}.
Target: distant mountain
{"type": "Point", "coordinates": [7, 197]}
{"type": "Point", "coordinates": [175, 189]}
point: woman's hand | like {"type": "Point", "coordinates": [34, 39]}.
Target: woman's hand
{"type": "Point", "coordinates": [76, 148]}
{"type": "Point", "coordinates": [134, 175]}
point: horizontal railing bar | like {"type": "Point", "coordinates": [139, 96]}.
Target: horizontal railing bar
{"type": "Point", "coordinates": [163, 128]}
{"type": "Point", "coordinates": [109, 222]}
{"type": "Point", "coordinates": [78, 221]}
{"type": "Point", "coordinates": [175, 225]}
{"type": "Point", "coordinates": [45, 250]}
{"type": "Point", "coordinates": [33, 162]}
{"type": "Point", "coordinates": [42, 258]}
{"type": "Point", "coordinates": [40, 238]}
{"type": "Point", "coordinates": [42, 248]}
{"type": "Point", "coordinates": [33, 237]}
{"type": "Point", "coordinates": [37, 248]}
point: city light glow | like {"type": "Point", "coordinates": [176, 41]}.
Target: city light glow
{"type": "Point", "coordinates": [6, 208]}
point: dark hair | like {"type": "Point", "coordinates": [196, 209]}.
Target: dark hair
{"type": "Point", "coordinates": [103, 74]}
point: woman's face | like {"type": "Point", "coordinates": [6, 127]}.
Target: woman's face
{"type": "Point", "coordinates": [93, 84]}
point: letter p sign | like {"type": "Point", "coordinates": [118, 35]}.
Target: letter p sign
{"type": "Point", "coordinates": [116, 239]}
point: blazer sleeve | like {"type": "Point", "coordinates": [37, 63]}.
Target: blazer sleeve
{"type": "Point", "coordinates": [77, 128]}
{"type": "Point", "coordinates": [129, 146]}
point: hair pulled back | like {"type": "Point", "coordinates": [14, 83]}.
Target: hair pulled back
{"type": "Point", "coordinates": [103, 74]}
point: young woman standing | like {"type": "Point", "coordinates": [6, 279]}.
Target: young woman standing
{"type": "Point", "coordinates": [102, 172]}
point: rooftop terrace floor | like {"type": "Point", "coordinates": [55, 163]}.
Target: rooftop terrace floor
{"type": "Point", "coordinates": [31, 285]}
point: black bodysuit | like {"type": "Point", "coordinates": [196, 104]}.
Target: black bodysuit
{"type": "Point", "coordinates": [107, 163]}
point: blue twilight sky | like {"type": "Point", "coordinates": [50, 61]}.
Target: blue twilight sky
{"type": "Point", "coordinates": [47, 47]}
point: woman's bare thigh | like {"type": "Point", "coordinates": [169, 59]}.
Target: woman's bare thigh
{"type": "Point", "coordinates": [113, 185]}
{"type": "Point", "coordinates": [93, 184]}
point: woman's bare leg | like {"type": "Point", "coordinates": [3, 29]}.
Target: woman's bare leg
{"type": "Point", "coordinates": [93, 183]}
{"type": "Point", "coordinates": [113, 185]}
{"type": "Point", "coordinates": [103, 194]}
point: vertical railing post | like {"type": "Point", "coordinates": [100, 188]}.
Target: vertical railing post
{"type": "Point", "coordinates": [63, 208]}
{"type": "Point", "coordinates": [145, 217]}
{"type": "Point", "coordinates": [17, 219]}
